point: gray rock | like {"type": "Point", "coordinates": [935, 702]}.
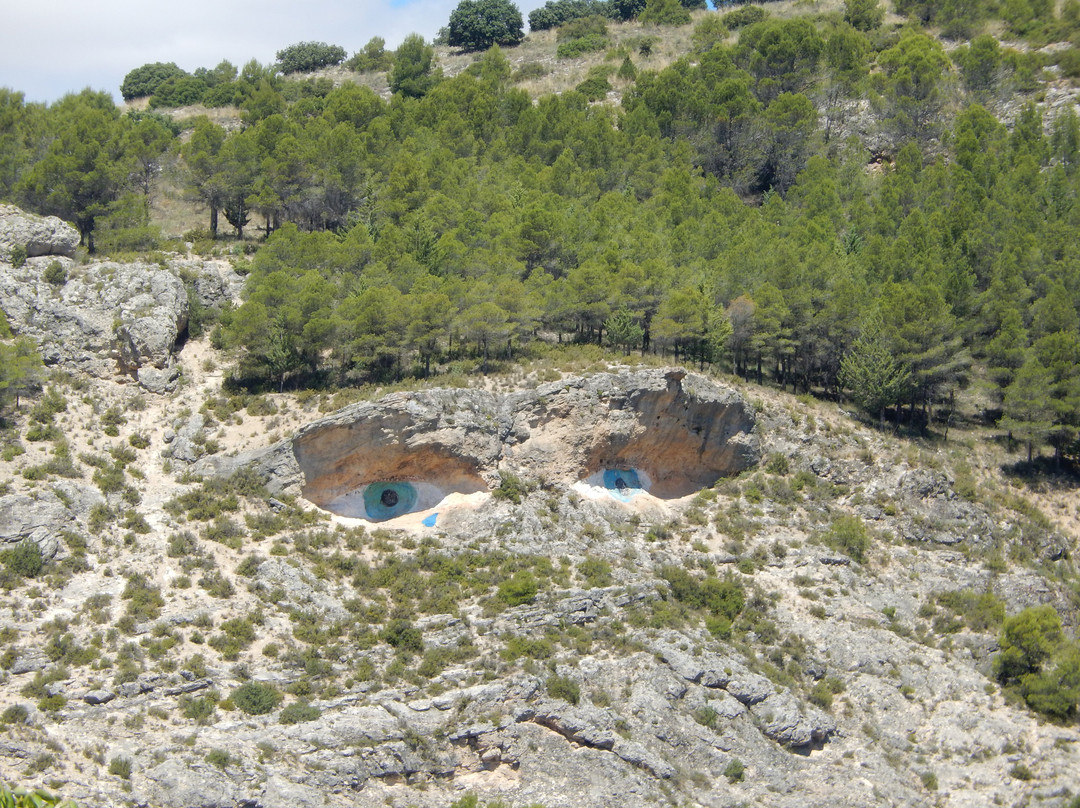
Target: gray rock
{"type": "Point", "coordinates": [792, 724]}
{"type": "Point", "coordinates": [99, 697]}
{"type": "Point", "coordinates": [159, 380]}
{"type": "Point", "coordinates": [38, 235]}
{"type": "Point", "coordinates": [36, 518]}
{"type": "Point", "coordinates": [178, 785]}
{"type": "Point", "coordinates": [281, 793]}
{"type": "Point", "coordinates": [30, 661]}
{"type": "Point", "coordinates": [106, 317]}
{"type": "Point", "coordinates": [750, 688]}
{"type": "Point", "coordinates": [188, 687]}
{"type": "Point", "coordinates": [637, 755]}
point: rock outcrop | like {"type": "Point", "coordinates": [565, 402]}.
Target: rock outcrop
{"type": "Point", "coordinates": [37, 235]}
{"type": "Point", "coordinates": [105, 317]}
{"type": "Point", "coordinates": [682, 433]}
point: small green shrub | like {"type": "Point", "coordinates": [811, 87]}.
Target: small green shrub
{"type": "Point", "coordinates": [121, 767]}
{"type": "Point", "coordinates": [563, 687]}
{"type": "Point", "coordinates": [848, 535]}
{"type": "Point", "coordinates": [298, 712]}
{"type": "Point", "coordinates": [256, 698]}
{"type": "Point", "coordinates": [219, 758]}
{"type": "Point", "coordinates": [519, 589]}
{"type": "Point", "coordinates": [511, 488]}
{"type": "Point", "coordinates": [734, 771]}
{"type": "Point", "coordinates": [24, 560]}
{"type": "Point", "coordinates": [15, 714]}
{"type": "Point", "coordinates": [403, 636]}
{"type": "Point", "coordinates": [55, 274]}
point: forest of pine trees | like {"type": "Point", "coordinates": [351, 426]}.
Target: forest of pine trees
{"type": "Point", "coordinates": [727, 213]}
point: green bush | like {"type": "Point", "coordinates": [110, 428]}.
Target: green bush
{"type": "Point", "coordinates": [563, 687]}
{"type": "Point", "coordinates": [25, 560]}
{"type": "Point", "coordinates": [578, 47]}
{"type": "Point", "coordinates": [199, 709]}
{"type": "Point", "coordinates": [15, 714]}
{"type": "Point", "coordinates": [518, 589]}
{"type": "Point", "coordinates": [303, 57]}
{"type": "Point", "coordinates": [848, 535]}
{"type": "Point", "coordinates": [256, 698]}
{"type": "Point", "coordinates": [55, 274]}
{"type": "Point", "coordinates": [403, 636]}
{"type": "Point", "coordinates": [121, 767]}
{"type": "Point", "coordinates": [511, 488]}
{"type": "Point", "coordinates": [734, 771]}
{"type": "Point", "coordinates": [144, 81]}
{"type": "Point", "coordinates": [298, 712]}
{"type": "Point", "coordinates": [219, 758]}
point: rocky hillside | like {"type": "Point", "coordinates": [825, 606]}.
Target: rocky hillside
{"type": "Point", "coordinates": [779, 605]}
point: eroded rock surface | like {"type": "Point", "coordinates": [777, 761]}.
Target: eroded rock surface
{"type": "Point", "coordinates": [37, 235]}
{"type": "Point", "coordinates": [104, 317]}
{"type": "Point", "coordinates": [682, 431]}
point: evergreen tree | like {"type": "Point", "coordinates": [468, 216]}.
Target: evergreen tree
{"type": "Point", "coordinates": [872, 374]}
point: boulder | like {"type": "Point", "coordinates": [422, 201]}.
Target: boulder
{"type": "Point", "coordinates": [38, 519]}
{"type": "Point", "coordinates": [38, 235]}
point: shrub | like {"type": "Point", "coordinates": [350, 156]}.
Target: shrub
{"type": "Point", "coordinates": [219, 758]}
{"type": "Point", "coordinates": [734, 771]}
{"type": "Point", "coordinates": [256, 698]}
{"type": "Point", "coordinates": [298, 712]}
{"type": "Point", "coordinates": [15, 714]}
{"type": "Point", "coordinates": [578, 47]}
{"type": "Point", "coordinates": [145, 81]}
{"type": "Point", "coordinates": [303, 57]}
{"type": "Point", "coordinates": [848, 534]}
{"type": "Point", "coordinates": [511, 487]}
{"type": "Point", "coordinates": [744, 16]}
{"type": "Point", "coordinates": [199, 709]}
{"type": "Point", "coordinates": [563, 687]}
{"type": "Point", "coordinates": [55, 274]}
{"type": "Point", "coordinates": [25, 560]}
{"type": "Point", "coordinates": [519, 589]}
{"type": "Point", "coordinates": [404, 636]}
{"type": "Point", "coordinates": [121, 767]}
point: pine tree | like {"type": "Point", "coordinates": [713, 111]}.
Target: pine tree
{"type": "Point", "coordinates": [872, 374]}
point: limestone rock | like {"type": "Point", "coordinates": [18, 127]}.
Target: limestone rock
{"type": "Point", "coordinates": [178, 785]}
{"type": "Point", "coordinates": [105, 317]}
{"type": "Point", "coordinates": [99, 696]}
{"type": "Point", "coordinates": [159, 380]}
{"type": "Point", "coordinates": [681, 431]}
{"type": "Point", "coordinates": [38, 235]}
{"type": "Point", "coordinates": [792, 724]}
{"type": "Point", "coordinates": [34, 518]}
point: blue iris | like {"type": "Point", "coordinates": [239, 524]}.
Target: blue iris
{"type": "Point", "coordinates": [623, 484]}
{"type": "Point", "coordinates": [384, 501]}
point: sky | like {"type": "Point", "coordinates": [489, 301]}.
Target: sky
{"type": "Point", "coordinates": [52, 47]}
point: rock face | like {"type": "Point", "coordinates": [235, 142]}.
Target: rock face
{"type": "Point", "coordinates": [681, 432]}
{"type": "Point", "coordinates": [106, 317]}
{"type": "Point", "coordinates": [38, 235]}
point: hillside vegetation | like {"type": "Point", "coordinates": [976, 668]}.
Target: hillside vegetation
{"type": "Point", "coordinates": [861, 220]}
{"type": "Point", "coordinates": [793, 189]}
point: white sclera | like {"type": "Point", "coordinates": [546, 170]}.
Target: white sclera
{"type": "Point", "coordinates": [353, 503]}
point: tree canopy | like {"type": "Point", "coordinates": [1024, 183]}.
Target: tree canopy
{"type": "Point", "coordinates": [476, 25]}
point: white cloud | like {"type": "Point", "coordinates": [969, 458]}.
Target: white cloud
{"type": "Point", "coordinates": [52, 47]}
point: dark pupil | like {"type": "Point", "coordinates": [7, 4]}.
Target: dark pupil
{"type": "Point", "coordinates": [389, 498]}
{"type": "Point", "coordinates": [620, 483]}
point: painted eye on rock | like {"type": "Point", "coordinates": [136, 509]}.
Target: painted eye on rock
{"type": "Point", "coordinates": [381, 501]}
{"type": "Point", "coordinates": [622, 484]}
